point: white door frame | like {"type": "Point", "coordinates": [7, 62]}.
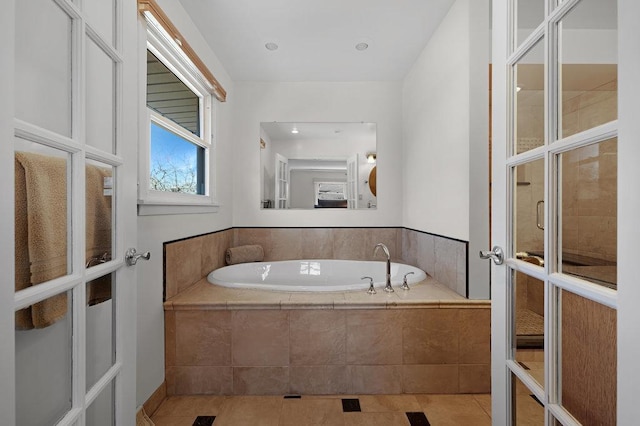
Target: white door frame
{"type": "Point", "coordinates": [7, 233]}
{"type": "Point", "coordinates": [628, 208]}
{"type": "Point", "coordinates": [123, 371]}
{"type": "Point", "coordinates": [627, 298]}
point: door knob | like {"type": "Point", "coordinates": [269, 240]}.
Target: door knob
{"type": "Point", "coordinates": [132, 256]}
{"type": "Point", "coordinates": [497, 254]}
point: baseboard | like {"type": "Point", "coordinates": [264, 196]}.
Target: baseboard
{"type": "Point", "coordinates": [154, 401]}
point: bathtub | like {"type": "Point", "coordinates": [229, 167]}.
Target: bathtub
{"type": "Point", "coordinates": [317, 275]}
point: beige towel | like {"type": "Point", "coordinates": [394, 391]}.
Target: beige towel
{"type": "Point", "coordinates": [243, 254]}
{"type": "Point", "coordinates": [98, 231]}
{"type": "Point", "coordinates": [41, 233]}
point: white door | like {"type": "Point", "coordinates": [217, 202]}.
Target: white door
{"type": "Point", "coordinates": [68, 163]}
{"type": "Point", "coordinates": [565, 202]}
{"type": "Point", "coordinates": [352, 182]}
{"type": "Point", "coordinates": [282, 182]}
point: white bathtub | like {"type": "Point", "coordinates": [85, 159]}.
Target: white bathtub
{"type": "Point", "coordinates": [312, 275]}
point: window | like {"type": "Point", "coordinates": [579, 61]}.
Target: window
{"type": "Point", "coordinates": [176, 149]}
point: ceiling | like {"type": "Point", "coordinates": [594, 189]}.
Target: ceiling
{"type": "Point", "coordinates": [317, 39]}
{"type": "Point", "coordinates": [279, 131]}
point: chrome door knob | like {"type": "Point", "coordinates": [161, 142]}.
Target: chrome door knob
{"type": "Point", "coordinates": [132, 256]}
{"type": "Point", "coordinates": [497, 255]}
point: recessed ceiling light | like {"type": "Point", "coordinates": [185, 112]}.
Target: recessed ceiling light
{"type": "Point", "coordinates": [362, 46]}
{"type": "Point", "coordinates": [271, 46]}
{"type": "Point", "coordinates": [295, 131]}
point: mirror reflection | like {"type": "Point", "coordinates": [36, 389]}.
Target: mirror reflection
{"type": "Point", "coordinates": [318, 165]}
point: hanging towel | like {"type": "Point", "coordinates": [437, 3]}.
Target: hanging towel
{"type": "Point", "coordinates": [243, 254]}
{"type": "Point", "coordinates": [40, 234]}
{"type": "Point", "coordinates": [98, 230]}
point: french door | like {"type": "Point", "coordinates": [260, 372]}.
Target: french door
{"type": "Point", "coordinates": [565, 189]}
{"type": "Point", "coordinates": [68, 214]}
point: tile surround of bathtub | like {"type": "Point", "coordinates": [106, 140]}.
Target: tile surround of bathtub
{"type": "Point", "coordinates": [187, 261]}
{"type": "Point", "coordinates": [260, 352]}
{"type": "Point", "coordinates": [320, 243]}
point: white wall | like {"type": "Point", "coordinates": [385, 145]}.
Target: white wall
{"type": "Point", "coordinates": [154, 230]}
{"type": "Point", "coordinates": [445, 133]}
{"type": "Point", "coordinates": [436, 131]}
{"type": "Point", "coordinates": [376, 102]}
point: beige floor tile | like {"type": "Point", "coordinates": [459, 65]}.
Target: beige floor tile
{"type": "Point", "coordinates": [440, 407]}
{"type": "Point", "coordinates": [196, 405]}
{"type": "Point", "coordinates": [386, 403]}
{"type": "Point", "coordinates": [536, 370]}
{"type": "Point", "coordinates": [485, 402]}
{"type": "Point", "coordinates": [173, 421]}
{"type": "Point", "coordinates": [528, 411]}
{"type": "Point", "coordinates": [453, 410]}
{"type": "Point", "coordinates": [296, 412]}
{"type": "Point", "coordinates": [376, 419]}
{"type": "Point", "coordinates": [250, 410]}
{"type": "Point", "coordinates": [456, 419]}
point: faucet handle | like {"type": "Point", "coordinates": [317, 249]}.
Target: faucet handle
{"type": "Point", "coordinates": [405, 286]}
{"type": "Point", "coordinates": [371, 289]}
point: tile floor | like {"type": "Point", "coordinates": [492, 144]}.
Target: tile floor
{"type": "Point", "coordinates": [338, 410]}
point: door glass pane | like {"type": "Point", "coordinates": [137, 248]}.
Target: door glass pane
{"type": "Point", "coordinates": [101, 412]}
{"type": "Point", "coordinates": [43, 361]}
{"type": "Point", "coordinates": [529, 16]}
{"type": "Point", "coordinates": [587, 359]}
{"type": "Point", "coordinates": [529, 96]}
{"type": "Point", "coordinates": [528, 343]}
{"type": "Point", "coordinates": [588, 212]}
{"type": "Point", "coordinates": [528, 211]}
{"type": "Point", "coordinates": [100, 187]}
{"type": "Point", "coordinates": [43, 65]}
{"type": "Point", "coordinates": [100, 111]}
{"type": "Point", "coordinates": [526, 408]}
{"type": "Point", "coordinates": [42, 222]}
{"type": "Point", "coordinates": [100, 16]}
{"type": "Point", "coordinates": [100, 327]}
{"type": "Point", "coordinates": [588, 66]}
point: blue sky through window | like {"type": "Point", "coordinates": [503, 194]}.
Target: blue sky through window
{"type": "Point", "coordinates": [174, 162]}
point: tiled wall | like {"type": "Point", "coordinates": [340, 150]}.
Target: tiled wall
{"type": "Point", "coordinates": [321, 243]}
{"type": "Point", "coordinates": [188, 261]}
{"type": "Point", "coordinates": [442, 258]}
{"type": "Point", "coordinates": [333, 351]}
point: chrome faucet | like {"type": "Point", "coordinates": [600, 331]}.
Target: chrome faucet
{"type": "Point", "coordinates": [388, 287]}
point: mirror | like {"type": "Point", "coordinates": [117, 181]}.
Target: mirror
{"type": "Point", "coordinates": [318, 165]}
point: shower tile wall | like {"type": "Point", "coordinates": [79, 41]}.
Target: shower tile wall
{"type": "Point", "coordinates": [333, 351]}
{"type": "Point", "coordinates": [188, 261]}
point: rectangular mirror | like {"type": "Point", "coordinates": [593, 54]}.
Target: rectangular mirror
{"type": "Point", "coordinates": [318, 165]}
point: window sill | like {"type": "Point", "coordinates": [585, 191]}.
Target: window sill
{"type": "Point", "coordinates": [154, 208]}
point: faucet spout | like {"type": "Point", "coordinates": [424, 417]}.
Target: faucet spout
{"type": "Point", "coordinates": [388, 287]}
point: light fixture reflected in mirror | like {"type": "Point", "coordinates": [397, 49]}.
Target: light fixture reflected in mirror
{"type": "Point", "coordinates": [371, 157]}
{"type": "Point", "coordinates": [295, 131]}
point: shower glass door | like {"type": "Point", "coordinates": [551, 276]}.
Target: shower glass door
{"type": "Point", "coordinates": [556, 173]}
{"type": "Point", "coordinates": [73, 216]}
